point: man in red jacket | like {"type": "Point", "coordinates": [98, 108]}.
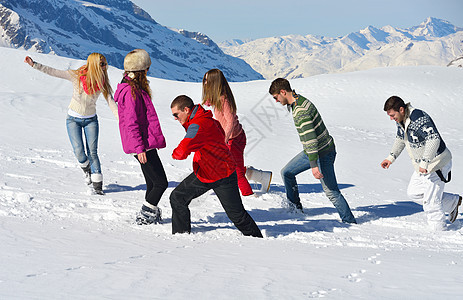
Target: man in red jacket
{"type": "Point", "coordinates": [213, 168]}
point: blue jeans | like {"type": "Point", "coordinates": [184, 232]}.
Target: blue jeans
{"type": "Point", "coordinates": [90, 127]}
{"type": "Point", "coordinates": [301, 163]}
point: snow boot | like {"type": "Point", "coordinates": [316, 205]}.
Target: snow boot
{"type": "Point", "coordinates": [259, 176]}
{"type": "Point", "coordinates": [87, 172]}
{"type": "Point", "coordinates": [454, 213]}
{"type": "Point", "coordinates": [97, 180]}
{"type": "Point", "coordinates": [149, 214]}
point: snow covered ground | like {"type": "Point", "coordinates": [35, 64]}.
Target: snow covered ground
{"type": "Point", "coordinates": [57, 241]}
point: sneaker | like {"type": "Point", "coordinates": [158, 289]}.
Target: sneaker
{"type": "Point", "coordinates": [262, 177]}
{"type": "Point", "coordinates": [454, 213]}
{"type": "Point", "coordinates": [149, 215]}
{"type": "Point", "coordinates": [98, 188]}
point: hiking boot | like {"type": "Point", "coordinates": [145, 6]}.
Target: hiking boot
{"type": "Point", "coordinates": [149, 215]}
{"type": "Point", "coordinates": [259, 176]}
{"type": "Point", "coordinates": [454, 213]}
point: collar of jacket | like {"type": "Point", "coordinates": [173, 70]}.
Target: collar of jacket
{"type": "Point", "coordinates": [408, 110]}
{"type": "Point", "coordinates": [191, 116]}
{"type": "Point", "coordinates": [292, 105]}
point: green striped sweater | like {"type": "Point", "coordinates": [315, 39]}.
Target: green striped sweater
{"type": "Point", "coordinates": [313, 133]}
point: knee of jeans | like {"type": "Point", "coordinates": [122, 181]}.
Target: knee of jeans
{"type": "Point", "coordinates": [93, 152]}
{"type": "Point", "coordinates": [80, 155]}
{"type": "Point", "coordinates": [285, 173]}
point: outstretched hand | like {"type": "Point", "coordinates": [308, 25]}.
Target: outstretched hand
{"type": "Point", "coordinates": [385, 164]}
{"type": "Point", "coordinates": [29, 61]}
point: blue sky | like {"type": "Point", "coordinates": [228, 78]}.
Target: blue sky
{"type": "Point", "coordinates": [242, 19]}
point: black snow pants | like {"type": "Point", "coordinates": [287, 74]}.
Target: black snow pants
{"type": "Point", "coordinates": [228, 193]}
{"type": "Point", "coordinates": [155, 177]}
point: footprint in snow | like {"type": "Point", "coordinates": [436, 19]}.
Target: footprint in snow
{"type": "Point", "coordinates": [373, 259]}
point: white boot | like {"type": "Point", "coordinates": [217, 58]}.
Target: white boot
{"type": "Point", "coordinates": [262, 177]}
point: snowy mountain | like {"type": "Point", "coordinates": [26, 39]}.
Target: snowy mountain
{"type": "Point", "coordinates": [434, 42]}
{"type": "Point", "coordinates": [113, 27]}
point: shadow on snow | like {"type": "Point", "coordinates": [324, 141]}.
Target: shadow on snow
{"type": "Point", "coordinates": [303, 188]}
{"type": "Point", "coordinates": [302, 220]}
{"type": "Point", "coordinates": [118, 188]}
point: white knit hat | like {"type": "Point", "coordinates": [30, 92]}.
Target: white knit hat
{"type": "Point", "coordinates": [137, 60]}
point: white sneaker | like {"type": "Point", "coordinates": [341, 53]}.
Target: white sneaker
{"type": "Point", "coordinates": [262, 177]}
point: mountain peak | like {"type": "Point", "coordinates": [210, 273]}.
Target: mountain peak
{"type": "Point", "coordinates": [434, 27]}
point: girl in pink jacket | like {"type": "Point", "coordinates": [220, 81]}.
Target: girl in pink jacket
{"type": "Point", "coordinates": [217, 93]}
{"type": "Point", "coordinates": [140, 131]}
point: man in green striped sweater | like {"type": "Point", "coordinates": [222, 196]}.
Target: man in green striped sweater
{"type": "Point", "coordinates": [319, 151]}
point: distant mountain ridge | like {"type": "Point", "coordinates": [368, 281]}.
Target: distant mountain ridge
{"type": "Point", "coordinates": [433, 42]}
{"type": "Point", "coordinates": [113, 27]}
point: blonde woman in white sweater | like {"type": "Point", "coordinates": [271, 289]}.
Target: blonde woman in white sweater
{"type": "Point", "coordinates": [89, 81]}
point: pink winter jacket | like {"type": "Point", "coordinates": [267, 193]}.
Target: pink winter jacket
{"type": "Point", "coordinates": [138, 122]}
{"type": "Point", "coordinates": [227, 119]}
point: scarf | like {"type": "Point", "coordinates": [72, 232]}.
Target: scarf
{"type": "Point", "coordinates": [83, 79]}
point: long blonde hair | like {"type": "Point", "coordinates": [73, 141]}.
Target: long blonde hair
{"type": "Point", "coordinates": [214, 86]}
{"type": "Point", "coordinates": [96, 77]}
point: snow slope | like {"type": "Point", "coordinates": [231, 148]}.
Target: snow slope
{"type": "Point", "coordinates": [57, 241]}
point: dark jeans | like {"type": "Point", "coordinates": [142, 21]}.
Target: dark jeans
{"type": "Point", "coordinates": [229, 196]}
{"type": "Point", "coordinates": [155, 177]}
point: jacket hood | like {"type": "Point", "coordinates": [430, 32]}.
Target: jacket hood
{"type": "Point", "coordinates": [122, 89]}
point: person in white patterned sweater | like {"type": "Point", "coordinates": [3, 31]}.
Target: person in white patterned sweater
{"type": "Point", "coordinates": [431, 159]}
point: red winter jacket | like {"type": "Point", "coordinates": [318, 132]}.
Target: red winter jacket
{"type": "Point", "coordinates": [204, 136]}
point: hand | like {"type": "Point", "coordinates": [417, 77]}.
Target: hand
{"type": "Point", "coordinates": [142, 157]}
{"type": "Point", "coordinates": [423, 171]}
{"type": "Point", "coordinates": [385, 164]}
{"type": "Point", "coordinates": [316, 173]}
{"type": "Point", "coordinates": [29, 61]}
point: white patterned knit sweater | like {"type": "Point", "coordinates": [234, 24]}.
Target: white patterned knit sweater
{"type": "Point", "coordinates": [423, 142]}
{"type": "Point", "coordinates": [81, 103]}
